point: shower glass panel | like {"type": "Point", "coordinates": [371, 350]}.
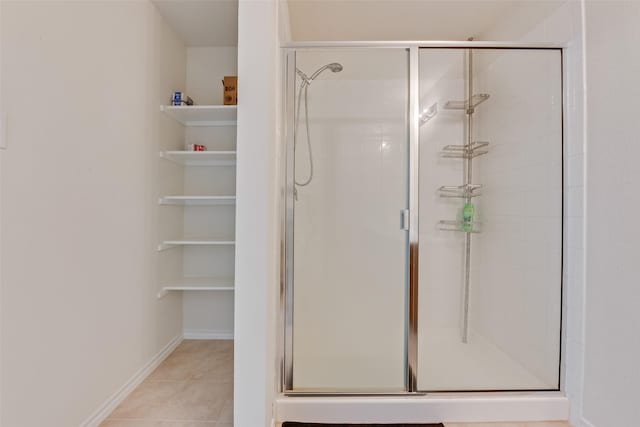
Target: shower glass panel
{"type": "Point", "coordinates": [490, 262]}
{"type": "Point", "coordinates": [347, 255]}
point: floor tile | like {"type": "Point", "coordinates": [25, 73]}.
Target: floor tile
{"type": "Point", "coordinates": [175, 400]}
{"type": "Point", "coordinates": [206, 366]}
{"type": "Point", "coordinates": [193, 387]}
{"type": "Point", "coordinates": [198, 348]}
{"type": "Point", "coordinates": [152, 423]}
{"type": "Point", "coordinates": [226, 415]}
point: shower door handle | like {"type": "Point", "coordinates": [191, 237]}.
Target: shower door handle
{"type": "Point", "coordinates": [404, 219]}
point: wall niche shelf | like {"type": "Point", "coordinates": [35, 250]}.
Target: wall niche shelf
{"type": "Point", "coordinates": [201, 158]}
{"type": "Point", "coordinates": [197, 200]}
{"type": "Point", "coordinates": [202, 115]}
{"type": "Point", "coordinates": [198, 284]}
{"type": "Point", "coordinates": [168, 244]}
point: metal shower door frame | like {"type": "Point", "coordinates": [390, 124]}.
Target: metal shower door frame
{"type": "Point", "coordinates": [413, 244]}
{"type": "Point", "coordinates": [287, 225]}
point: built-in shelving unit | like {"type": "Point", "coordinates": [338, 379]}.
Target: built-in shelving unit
{"type": "Point", "coordinates": [203, 172]}
{"type": "Point", "coordinates": [201, 158]}
{"type": "Point", "coordinates": [194, 197]}
{"type": "Point", "coordinates": [202, 115]}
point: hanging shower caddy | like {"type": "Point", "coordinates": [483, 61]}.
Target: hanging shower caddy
{"type": "Point", "coordinates": [468, 190]}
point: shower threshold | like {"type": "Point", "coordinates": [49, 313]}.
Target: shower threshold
{"type": "Point", "coordinates": [430, 408]}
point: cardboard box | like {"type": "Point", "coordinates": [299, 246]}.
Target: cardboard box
{"type": "Point", "coordinates": [230, 84]}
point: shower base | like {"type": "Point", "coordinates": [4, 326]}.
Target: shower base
{"type": "Point", "coordinates": [478, 365]}
{"type": "Point", "coordinates": [430, 408]}
{"type": "Point", "coordinates": [288, 424]}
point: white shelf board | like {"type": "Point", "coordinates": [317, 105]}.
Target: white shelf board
{"type": "Point", "coordinates": [190, 241]}
{"type": "Point", "coordinates": [202, 115]}
{"type": "Point", "coordinates": [197, 200]}
{"type": "Point", "coordinates": [201, 158]}
{"type": "Point", "coordinates": [198, 284]}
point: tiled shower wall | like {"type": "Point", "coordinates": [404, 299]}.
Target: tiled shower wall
{"type": "Point", "coordinates": [517, 257]}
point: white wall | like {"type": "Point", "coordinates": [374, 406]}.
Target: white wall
{"type": "Point", "coordinates": [321, 20]}
{"type": "Point", "coordinates": [209, 314]}
{"type": "Point", "coordinates": [612, 343]}
{"type": "Point", "coordinates": [206, 67]}
{"type": "Point", "coordinates": [82, 82]}
{"type": "Point", "coordinates": [257, 217]}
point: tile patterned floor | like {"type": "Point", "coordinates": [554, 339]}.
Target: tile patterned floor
{"type": "Point", "coordinates": [193, 387]}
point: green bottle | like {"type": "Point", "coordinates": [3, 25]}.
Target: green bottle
{"type": "Point", "coordinates": [467, 217]}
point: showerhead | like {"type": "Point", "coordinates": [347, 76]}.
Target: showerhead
{"type": "Point", "coordinates": [334, 67]}
{"type": "Point", "coordinates": [304, 90]}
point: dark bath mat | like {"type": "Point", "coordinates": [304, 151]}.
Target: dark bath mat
{"type": "Point", "coordinates": [290, 424]}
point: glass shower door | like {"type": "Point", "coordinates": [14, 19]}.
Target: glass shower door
{"type": "Point", "coordinates": [490, 266]}
{"type": "Point", "coordinates": [347, 177]}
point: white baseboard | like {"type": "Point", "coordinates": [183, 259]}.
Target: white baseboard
{"type": "Point", "coordinates": [585, 423]}
{"type": "Point", "coordinates": [207, 334]}
{"type": "Point", "coordinates": [107, 407]}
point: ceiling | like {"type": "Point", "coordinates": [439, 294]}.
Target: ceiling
{"type": "Point", "coordinates": [202, 22]}
{"type": "Point", "coordinates": [377, 20]}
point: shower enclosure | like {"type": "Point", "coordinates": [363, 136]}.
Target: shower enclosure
{"type": "Point", "coordinates": [423, 220]}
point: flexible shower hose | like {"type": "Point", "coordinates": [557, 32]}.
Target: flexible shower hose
{"type": "Point", "coordinates": [304, 86]}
